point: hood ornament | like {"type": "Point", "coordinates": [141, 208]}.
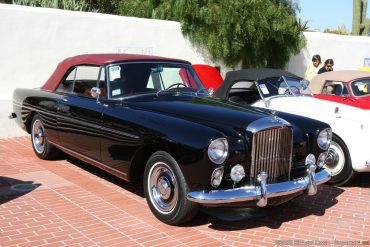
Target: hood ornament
{"type": "Point", "coordinates": [275, 117]}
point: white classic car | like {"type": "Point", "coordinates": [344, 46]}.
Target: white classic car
{"type": "Point", "coordinates": [280, 90]}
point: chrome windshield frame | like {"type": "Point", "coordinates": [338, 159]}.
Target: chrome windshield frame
{"type": "Point", "coordinates": [266, 100]}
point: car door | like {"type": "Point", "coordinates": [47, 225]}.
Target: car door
{"type": "Point", "coordinates": [80, 114]}
{"type": "Point", "coordinates": [123, 135]}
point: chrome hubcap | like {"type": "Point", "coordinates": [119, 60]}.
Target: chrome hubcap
{"type": "Point", "coordinates": [38, 136]}
{"type": "Point", "coordinates": [162, 187]}
{"type": "Point", "coordinates": [335, 160]}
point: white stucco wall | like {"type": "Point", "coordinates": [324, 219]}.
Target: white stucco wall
{"type": "Point", "coordinates": [348, 52]}
{"type": "Point", "coordinates": [34, 40]}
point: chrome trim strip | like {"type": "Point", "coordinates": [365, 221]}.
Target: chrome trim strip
{"type": "Point", "coordinates": [92, 162]}
{"type": "Point", "coordinates": [255, 193]}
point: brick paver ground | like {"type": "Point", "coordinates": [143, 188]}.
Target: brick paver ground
{"type": "Point", "coordinates": [74, 204]}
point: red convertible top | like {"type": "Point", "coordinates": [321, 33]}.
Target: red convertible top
{"type": "Point", "coordinates": [96, 59]}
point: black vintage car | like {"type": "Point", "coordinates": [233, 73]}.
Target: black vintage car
{"type": "Point", "coordinates": [150, 118]}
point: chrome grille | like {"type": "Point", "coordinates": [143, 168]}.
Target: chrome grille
{"type": "Point", "coordinates": [272, 153]}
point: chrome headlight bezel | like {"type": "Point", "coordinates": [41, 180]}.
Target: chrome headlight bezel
{"type": "Point", "coordinates": [218, 150]}
{"type": "Point", "coordinates": [324, 138]}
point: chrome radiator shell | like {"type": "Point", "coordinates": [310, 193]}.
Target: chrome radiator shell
{"type": "Point", "coordinates": [272, 153]}
{"type": "Point", "coordinates": [271, 149]}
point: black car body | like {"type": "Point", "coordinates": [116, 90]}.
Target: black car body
{"type": "Point", "coordinates": [150, 117]}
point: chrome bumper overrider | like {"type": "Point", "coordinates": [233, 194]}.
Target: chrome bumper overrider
{"type": "Point", "coordinates": [263, 191]}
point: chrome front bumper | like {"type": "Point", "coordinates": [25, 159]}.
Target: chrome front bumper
{"type": "Point", "coordinates": [263, 191]}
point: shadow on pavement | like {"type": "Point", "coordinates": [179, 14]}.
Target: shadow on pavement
{"type": "Point", "coordinates": [11, 188]}
{"type": "Point", "coordinates": [361, 180]}
{"type": "Point", "coordinates": [229, 219]}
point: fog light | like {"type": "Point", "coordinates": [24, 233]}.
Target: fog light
{"type": "Point", "coordinates": [217, 177]}
{"type": "Point", "coordinates": [237, 173]}
{"type": "Point", "coordinates": [321, 159]}
{"type": "Point", "coordinates": [310, 159]}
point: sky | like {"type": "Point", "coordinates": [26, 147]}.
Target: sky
{"type": "Point", "coordinates": [322, 14]}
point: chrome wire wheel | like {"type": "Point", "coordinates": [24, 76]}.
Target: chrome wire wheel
{"type": "Point", "coordinates": [336, 159]}
{"type": "Point", "coordinates": [38, 136]}
{"type": "Point", "coordinates": [163, 188]}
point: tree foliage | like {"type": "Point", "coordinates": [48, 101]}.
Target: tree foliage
{"type": "Point", "coordinates": [104, 6]}
{"type": "Point", "coordinates": [258, 33]}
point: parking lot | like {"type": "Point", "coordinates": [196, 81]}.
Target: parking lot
{"type": "Point", "coordinates": [69, 203]}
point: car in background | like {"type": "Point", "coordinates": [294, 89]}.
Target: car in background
{"type": "Point", "coordinates": [350, 87]}
{"type": "Point", "coordinates": [285, 92]}
{"type": "Point", "coordinates": [150, 118]}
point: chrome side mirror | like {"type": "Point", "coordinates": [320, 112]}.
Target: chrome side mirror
{"type": "Point", "coordinates": [95, 92]}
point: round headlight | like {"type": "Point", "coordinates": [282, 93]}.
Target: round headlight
{"type": "Point", "coordinates": [324, 139]}
{"type": "Point", "coordinates": [218, 150]}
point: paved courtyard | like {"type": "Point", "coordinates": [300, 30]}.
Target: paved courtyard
{"type": "Point", "coordinates": [69, 203]}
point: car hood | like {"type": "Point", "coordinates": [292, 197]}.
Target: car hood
{"type": "Point", "coordinates": [204, 110]}
{"type": "Point", "coordinates": [319, 109]}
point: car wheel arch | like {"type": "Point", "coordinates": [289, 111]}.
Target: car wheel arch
{"type": "Point", "coordinates": [138, 163]}
{"type": "Point", "coordinates": [339, 137]}
{"type": "Point", "coordinates": [28, 121]}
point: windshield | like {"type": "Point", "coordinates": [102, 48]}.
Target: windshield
{"type": "Point", "coordinates": [283, 86]}
{"type": "Point", "coordinates": [361, 87]}
{"type": "Point", "coordinates": [143, 77]}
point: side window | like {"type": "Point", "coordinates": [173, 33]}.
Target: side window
{"type": "Point", "coordinates": [80, 80]}
{"type": "Point", "coordinates": [333, 88]}
{"type": "Point", "coordinates": [243, 84]}
{"type": "Point", "coordinates": [66, 86]}
{"type": "Point", "coordinates": [361, 87]}
{"type": "Point", "coordinates": [86, 78]}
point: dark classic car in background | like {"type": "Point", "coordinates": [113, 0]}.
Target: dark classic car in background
{"type": "Point", "coordinates": [150, 118]}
